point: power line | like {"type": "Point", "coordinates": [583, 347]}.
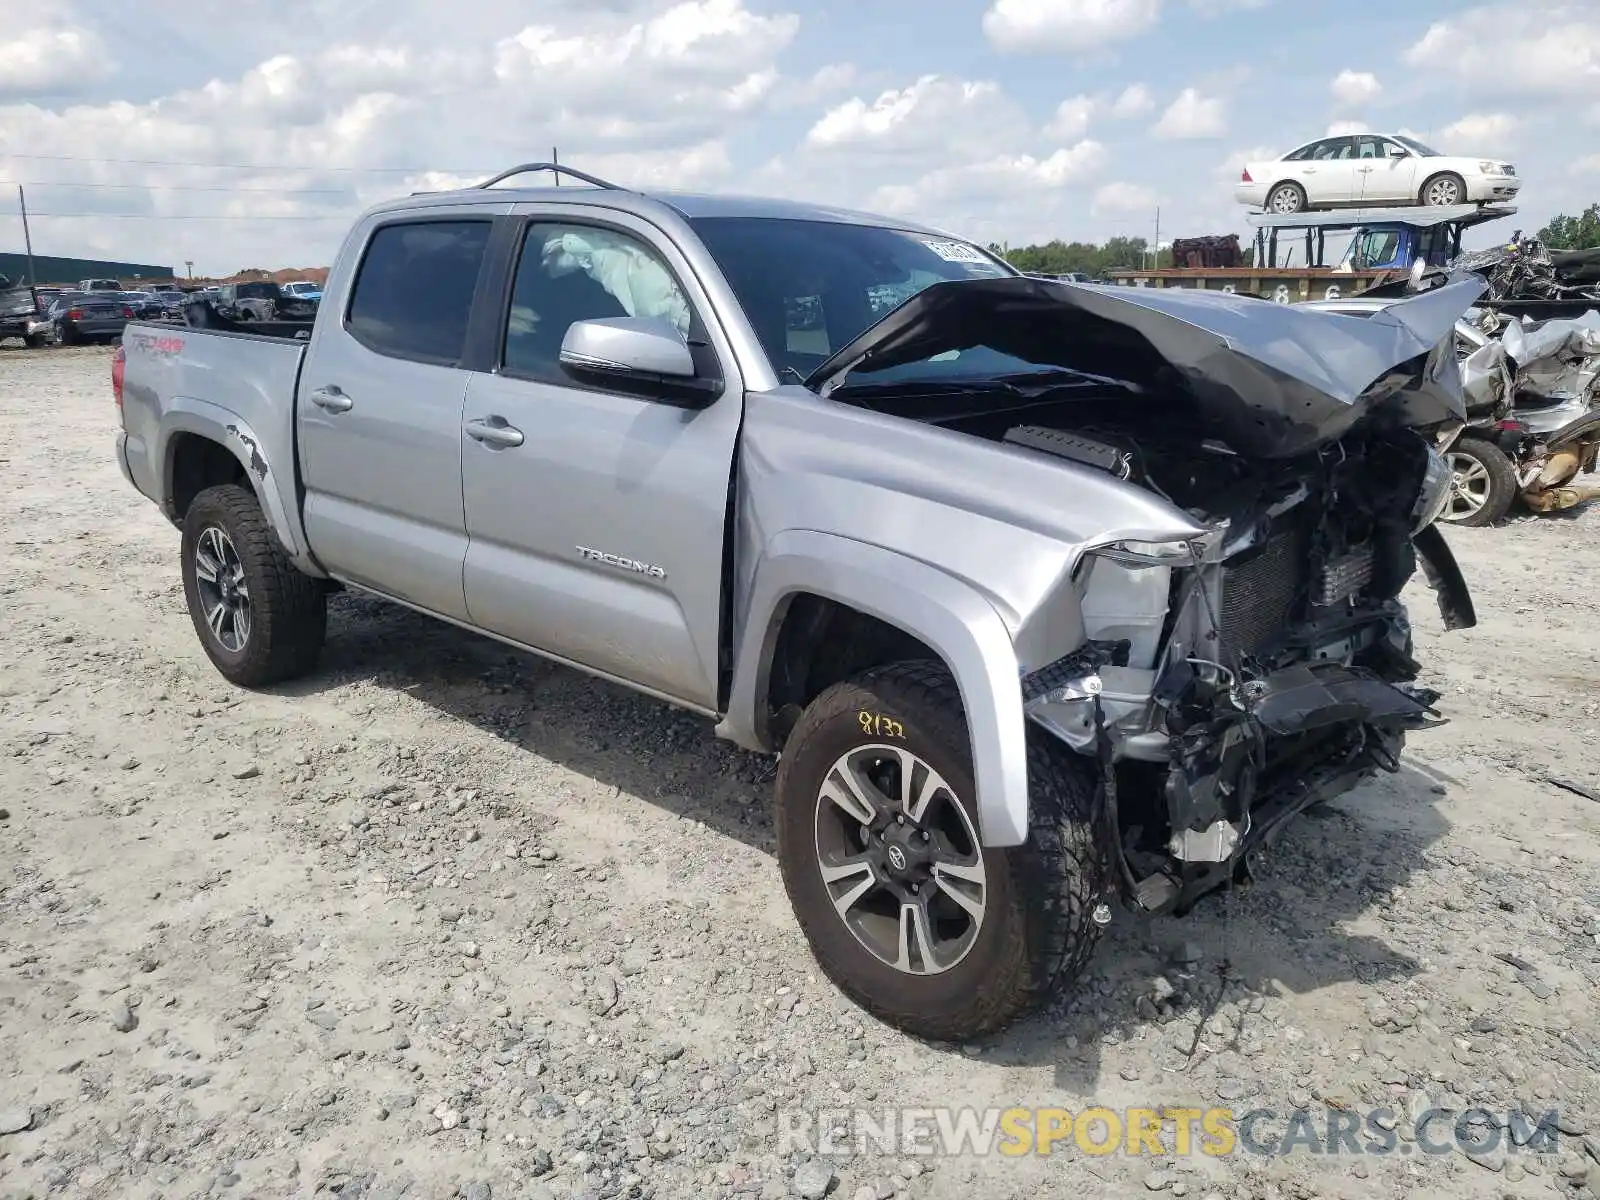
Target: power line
{"type": "Point", "coordinates": [179, 187]}
{"type": "Point", "coordinates": [339, 216]}
{"type": "Point", "coordinates": [157, 162]}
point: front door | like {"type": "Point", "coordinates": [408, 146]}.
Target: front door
{"type": "Point", "coordinates": [596, 517]}
{"type": "Point", "coordinates": [379, 412]}
{"type": "Point", "coordinates": [1388, 171]}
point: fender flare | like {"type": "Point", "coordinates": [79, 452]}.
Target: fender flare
{"type": "Point", "coordinates": [239, 438]}
{"type": "Point", "coordinates": [956, 621]}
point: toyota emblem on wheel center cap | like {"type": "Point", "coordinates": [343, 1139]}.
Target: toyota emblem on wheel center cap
{"type": "Point", "coordinates": [897, 858]}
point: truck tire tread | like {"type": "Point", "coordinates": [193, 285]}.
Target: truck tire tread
{"type": "Point", "coordinates": [1057, 876]}
{"type": "Point", "coordinates": [288, 607]}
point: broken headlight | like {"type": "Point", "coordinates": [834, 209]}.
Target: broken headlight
{"type": "Point", "coordinates": [1141, 555]}
{"type": "Point", "coordinates": [1434, 493]}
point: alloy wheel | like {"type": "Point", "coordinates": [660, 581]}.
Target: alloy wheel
{"type": "Point", "coordinates": [900, 859]}
{"type": "Point", "coordinates": [1443, 192]}
{"type": "Point", "coordinates": [1469, 487]}
{"type": "Point", "coordinates": [224, 595]}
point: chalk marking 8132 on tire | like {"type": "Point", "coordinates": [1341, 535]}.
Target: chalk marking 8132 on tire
{"type": "Point", "coordinates": [906, 911]}
{"type": "Point", "coordinates": [260, 620]}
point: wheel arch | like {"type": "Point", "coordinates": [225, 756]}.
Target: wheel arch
{"type": "Point", "coordinates": [1422, 192]}
{"type": "Point", "coordinates": [809, 584]}
{"type": "Point", "coordinates": [202, 446]}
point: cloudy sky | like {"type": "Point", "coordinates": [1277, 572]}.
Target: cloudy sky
{"type": "Point", "coordinates": [251, 135]}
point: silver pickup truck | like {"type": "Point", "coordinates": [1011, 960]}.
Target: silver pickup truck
{"type": "Point", "coordinates": [1047, 595]}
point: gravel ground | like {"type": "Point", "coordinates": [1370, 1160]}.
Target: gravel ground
{"type": "Point", "coordinates": [446, 920]}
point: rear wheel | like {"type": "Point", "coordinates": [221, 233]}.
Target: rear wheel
{"type": "Point", "coordinates": [259, 619]}
{"type": "Point", "coordinates": [1483, 484]}
{"type": "Point", "coordinates": [33, 341]}
{"type": "Point", "coordinates": [1286, 198]}
{"type": "Point", "coordinates": [906, 911]}
{"type": "Point", "coordinates": [1444, 190]}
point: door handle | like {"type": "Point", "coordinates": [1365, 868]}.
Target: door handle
{"type": "Point", "coordinates": [493, 431]}
{"type": "Point", "coordinates": [331, 398]}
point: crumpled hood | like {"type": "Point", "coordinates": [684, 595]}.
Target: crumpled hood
{"type": "Point", "coordinates": [1274, 381]}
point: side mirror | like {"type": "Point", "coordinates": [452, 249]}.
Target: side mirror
{"type": "Point", "coordinates": [1395, 152]}
{"type": "Point", "coordinates": [626, 347]}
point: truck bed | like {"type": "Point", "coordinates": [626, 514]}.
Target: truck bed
{"type": "Point", "coordinates": [236, 387]}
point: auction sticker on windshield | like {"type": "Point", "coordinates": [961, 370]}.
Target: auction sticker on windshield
{"type": "Point", "coordinates": [957, 252]}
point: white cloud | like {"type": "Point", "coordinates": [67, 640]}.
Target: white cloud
{"type": "Point", "coordinates": [1043, 26]}
{"type": "Point", "coordinates": [1586, 166]}
{"type": "Point", "coordinates": [1121, 197]}
{"type": "Point", "coordinates": [1071, 120]}
{"type": "Point", "coordinates": [1134, 101]}
{"type": "Point", "coordinates": [50, 59]}
{"type": "Point", "coordinates": [1346, 128]}
{"type": "Point", "coordinates": [650, 98]}
{"type": "Point", "coordinates": [1539, 47]}
{"type": "Point", "coordinates": [1479, 133]}
{"type": "Point", "coordinates": [932, 116]}
{"type": "Point", "coordinates": [1193, 115]}
{"type": "Point", "coordinates": [1352, 88]}
{"type": "Point", "coordinates": [1216, 8]}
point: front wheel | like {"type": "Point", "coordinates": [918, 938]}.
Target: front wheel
{"type": "Point", "coordinates": [1483, 484]}
{"type": "Point", "coordinates": [259, 618]}
{"type": "Point", "coordinates": [906, 911]}
{"type": "Point", "coordinates": [1442, 191]}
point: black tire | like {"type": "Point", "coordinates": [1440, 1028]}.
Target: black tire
{"type": "Point", "coordinates": [1038, 928]}
{"type": "Point", "coordinates": [67, 336]}
{"type": "Point", "coordinates": [288, 609]}
{"type": "Point", "coordinates": [34, 341]}
{"type": "Point", "coordinates": [1441, 183]}
{"type": "Point", "coordinates": [1489, 464]}
{"type": "Point", "coordinates": [1286, 198]}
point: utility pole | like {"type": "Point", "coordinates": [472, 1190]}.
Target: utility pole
{"type": "Point", "coordinates": [1158, 238]}
{"type": "Point", "coordinates": [27, 241]}
{"type": "Point", "coordinates": [188, 266]}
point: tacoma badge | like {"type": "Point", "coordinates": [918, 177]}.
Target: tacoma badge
{"type": "Point", "coordinates": [622, 564]}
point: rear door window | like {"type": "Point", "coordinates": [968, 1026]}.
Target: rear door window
{"type": "Point", "coordinates": [413, 292]}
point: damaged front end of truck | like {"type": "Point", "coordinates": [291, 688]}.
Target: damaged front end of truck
{"type": "Point", "coordinates": [1234, 675]}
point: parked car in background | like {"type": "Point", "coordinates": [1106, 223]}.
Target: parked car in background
{"type": "Point", "coordinates": [99, 285]}
{"type": "Point", "coordinates": [79, 317]}
{"type": "Point", "coordinates": [261, 300]}
{"type": "Point", "coordinates": [146, 306]}
{"type": "Point", "coordinates": [1372, 168]}
{"type": "Point", "coordinates": [18, 309]}
{"type": "Point", "coordinates": [303, 289]}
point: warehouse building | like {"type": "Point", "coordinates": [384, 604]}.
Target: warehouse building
{"type": "Point", "coordinates": [69, 270]}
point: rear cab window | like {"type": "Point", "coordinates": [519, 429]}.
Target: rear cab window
{"type": "Point", "coordinates": [413, 291]}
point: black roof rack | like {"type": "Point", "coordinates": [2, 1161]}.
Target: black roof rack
{"type": "Point", "coordinates": [558, 169]}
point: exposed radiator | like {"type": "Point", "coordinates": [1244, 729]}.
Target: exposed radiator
{"type": "Point", "coordinates": [1258, 595]}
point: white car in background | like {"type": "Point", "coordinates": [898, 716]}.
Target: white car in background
{"type": "Point", "coordinates": [1372, 169]}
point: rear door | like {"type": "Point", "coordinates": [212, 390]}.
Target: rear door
{"type": "Point", "coordinates": [378, 409]}
{"type": "Point", "coordinates": [599, 537]}
{"type": "Point", "coordinates": [1329, 173]}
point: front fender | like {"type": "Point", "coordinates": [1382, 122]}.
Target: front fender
{"type": "Point", "coordinates": [274, 490]}
{"type": "Point", "coordinates": [951, 617]}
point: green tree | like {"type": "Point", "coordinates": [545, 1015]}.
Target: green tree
{"type": "Point", "coordinates": [1573, 233]}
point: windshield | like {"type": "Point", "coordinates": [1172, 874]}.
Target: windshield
{"type": "Point", "coordinates": [809, 287]}
{"type": "Point", "coordinates": [1417, 147]}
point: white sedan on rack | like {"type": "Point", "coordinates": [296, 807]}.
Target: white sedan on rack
{"type": "Point", "coordinates": [1372, 169]}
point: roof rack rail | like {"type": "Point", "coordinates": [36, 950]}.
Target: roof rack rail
{"type": "Point", "coordinates": [558, 169]}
